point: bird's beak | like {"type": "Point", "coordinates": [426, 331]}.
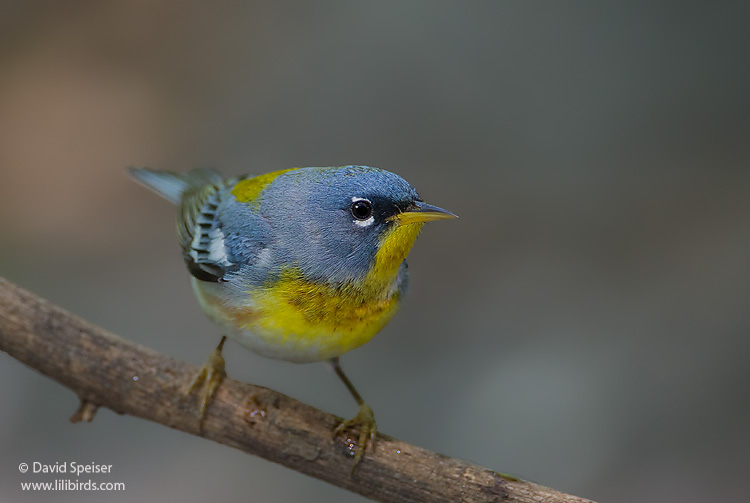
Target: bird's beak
{"type": "Point", "coordinates": [423, 212]}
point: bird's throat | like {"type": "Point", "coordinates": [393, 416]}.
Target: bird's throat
{"type": "Point", "coordinates": [393, 247]}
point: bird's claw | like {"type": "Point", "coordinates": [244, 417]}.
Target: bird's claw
{"type": "Point", "coordinates": [208, 379]}
{"type": "Point", "coordinates": [364, 421]}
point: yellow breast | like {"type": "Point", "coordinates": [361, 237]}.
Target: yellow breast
{"type": "Point", "coordinates": [318, 321]}
{"type": "Point", "coordinates": [335, 319]}
{"type": "Point", "coordinates": [298, 320]}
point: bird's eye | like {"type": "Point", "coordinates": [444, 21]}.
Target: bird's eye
{"type": "Point", "coordinates": [361, 209]}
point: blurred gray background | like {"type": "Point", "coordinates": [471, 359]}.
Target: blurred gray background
{"type": "Point", "coordinates": [583, 325]}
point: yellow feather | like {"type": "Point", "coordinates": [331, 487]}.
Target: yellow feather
{"type": "Point", "coordinates": [393, 248]}
{"type": "Point", "coordinates": [335, 319]}
{"type": "Point", "coordinates": [247, 190]}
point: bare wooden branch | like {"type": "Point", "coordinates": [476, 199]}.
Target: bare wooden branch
{"type": "Point", "coordinates": [106, 370]}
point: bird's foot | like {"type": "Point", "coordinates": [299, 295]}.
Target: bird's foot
{"type": "Point", "coordinates": [364, 421]}
{"type": "Point", "coordinates": [208, 379]}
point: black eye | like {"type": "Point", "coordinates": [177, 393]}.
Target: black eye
{"type": "Point", "coordinates": [362, 209]}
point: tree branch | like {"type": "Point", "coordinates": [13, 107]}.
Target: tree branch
{"type": "Point", "coordinates": [105, 370]}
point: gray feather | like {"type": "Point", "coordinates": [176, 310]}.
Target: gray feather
{"type": "Point", "coordinates": [196, 194]}
{"type": "Point", "coordinates": [168, 185]}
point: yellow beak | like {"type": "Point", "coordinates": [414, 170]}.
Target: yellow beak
{"type": "Point", "coordinates": [423, 212]}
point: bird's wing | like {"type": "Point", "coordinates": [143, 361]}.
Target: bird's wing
{"type": "Point", "coordinates": [218, 234]}
{"type": "Point", "coordinates": [221, 236]}
{"type": "Point", "coordinates": [199, 230]}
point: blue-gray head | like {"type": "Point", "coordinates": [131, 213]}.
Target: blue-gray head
{"type": "Point", "coordinates": [338, 225]}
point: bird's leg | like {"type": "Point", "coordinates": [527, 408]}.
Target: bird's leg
{"type": "Point", "coordinates": [364, 421]}
{"type": "Point", "coordinates": [209, 378]}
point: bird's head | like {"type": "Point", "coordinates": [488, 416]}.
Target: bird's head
{"type": "Point", "coordinates": [346, 224]}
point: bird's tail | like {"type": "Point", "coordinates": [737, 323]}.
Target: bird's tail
{"type": "Point", "coordinates": [172, 186]}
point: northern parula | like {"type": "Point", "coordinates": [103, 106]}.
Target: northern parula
{"type": "Point", "coordinates": [301, 264]}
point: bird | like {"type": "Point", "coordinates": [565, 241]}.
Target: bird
{"type": "Point", "coordinates": [302, 264]}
